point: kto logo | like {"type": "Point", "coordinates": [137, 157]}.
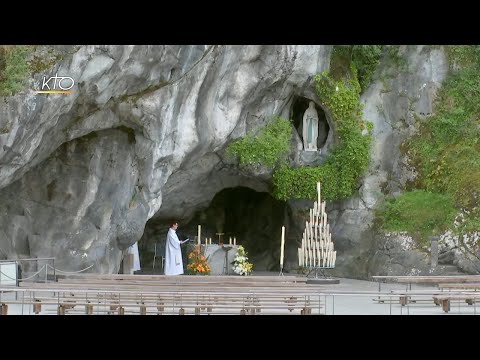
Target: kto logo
{"type": "Point", "coordinates": [60, 85]}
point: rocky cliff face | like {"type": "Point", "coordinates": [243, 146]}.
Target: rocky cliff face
{"type": "Point", "coordinates": [81, 174]}
{"type": "Point", "coordinates": [143, 136]}
{"type": "Point", "coordinates": [395, 103]}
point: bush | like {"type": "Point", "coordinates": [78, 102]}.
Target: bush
{"type": "Point", "coordinates": [269, 147]}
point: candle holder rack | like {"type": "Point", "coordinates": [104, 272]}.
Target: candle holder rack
{"type": "Point", "coordinates": [317, 251]}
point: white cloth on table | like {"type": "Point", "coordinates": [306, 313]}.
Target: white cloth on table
{"type": "Point", "coordinates": [173, 254]}
{"type": "Point", "coordinates": [136, 256]}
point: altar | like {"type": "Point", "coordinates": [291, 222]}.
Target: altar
{"type": "Point", "coordinates": [217, 255]}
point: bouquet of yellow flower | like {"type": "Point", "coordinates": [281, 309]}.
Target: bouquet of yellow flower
{"type": "Point", "coordinates": [240, 264]}
{"type": "Point", "coordinates": [197, 263]}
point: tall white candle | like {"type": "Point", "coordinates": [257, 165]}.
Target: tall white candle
{"type": "Point", "coordinates": [307, 244]}
{"type": "Point", "coordinates": [318, 191]}
{"type": "Point", "coordinates": [230, 240]}
{"type": "Point", "coordinates": [282, 247]}
{"type": "Point", "coordinates": [319, 257]}
{"type": "Point", "coordinates": [234, 240]}
{"type": "Point", "coordinates": [305, 255]}
{"type": "Point", "coordinates": [199, 233]}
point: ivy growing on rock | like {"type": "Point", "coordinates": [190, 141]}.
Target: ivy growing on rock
{"type": "Point", "coordinates": [364, 58]}
{"type": "Point", "coordinates": [340, 173]}
{"type": "Point", "coordinates": [446, 155]}
{"type": "Point", "coordinates": [446, 151]}
{"type": "Point", "coordinates": [267, 148]}
{"type": "Point", "coordinates": [339, 91]}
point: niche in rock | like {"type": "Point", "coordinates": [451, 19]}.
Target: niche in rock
{"type": "Point", "coordinates": [299, 106]}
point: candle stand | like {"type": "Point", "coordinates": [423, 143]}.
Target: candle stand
{"type": "Point", "coordinates": [317, 252]}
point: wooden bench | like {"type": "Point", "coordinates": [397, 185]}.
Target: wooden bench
{"type": "Point", "coordinates": [265, 300]}
{"type": "Point", "coordinates": [408, 296]}
{"type": "Point", "coordinates": [409, 280]}
{"type": "Point", "coordinates": [464, 286]}
{"type": "Point", "coordinates": [445, 300]}
{"type": "Point", "coordinates": [213, 294]}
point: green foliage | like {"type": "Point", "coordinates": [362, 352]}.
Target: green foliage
{"type": "Point", "coordinates": [347, 162]}
{"type": "Point", "coordinates": [340, 96]}
{"type": "Point", "coordinates": [269, 147]}
{"type": "Point", "coordinates": [395, 58]}
{"type": "Point", "coordinates": [340, 62]}
{"type": "Point", "coordinates": [471, 222]}
{"type": "Point", "coordinates": [301, 182]}
{"type": "Point", "coordinates": [14, 68]}
{"type": "Point", "coordinates": [339, 90]}
{"type": "Point", "coordinates": [420, 213]}
{"type": "Point", "coordinates": [446, 153]}
{"type": "Point", "coordinates": [365, 58]}
{"type": "Point", "coordinates": [462, 55]}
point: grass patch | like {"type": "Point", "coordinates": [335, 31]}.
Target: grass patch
{"type": "Point", "coordinates": [420, 213]}
{"type": "Point", "coordinates": [461, 56]}
{"type": "Point", "coordinates": [14, 68]}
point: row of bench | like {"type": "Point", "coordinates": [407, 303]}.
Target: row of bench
{"type": "Point", "coordinates": [454, 287]}
{"type": "Point", "coordinates": [174, 294]}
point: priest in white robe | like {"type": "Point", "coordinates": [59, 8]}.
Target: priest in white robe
{"type": "Point", "coordinates": [173, 252]}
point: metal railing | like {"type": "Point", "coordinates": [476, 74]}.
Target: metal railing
{"type": "Point", "coordinates": [39, 271]}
